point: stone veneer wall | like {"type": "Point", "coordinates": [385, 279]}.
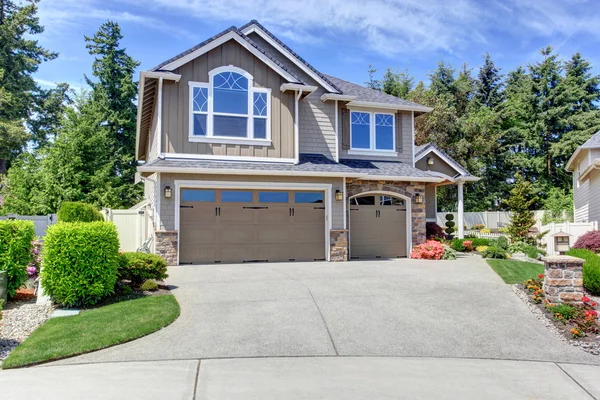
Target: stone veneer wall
{"type": "Point", "coordinates": [563, 279]}
{"type": "Point", "coordinates": [166, 246]}
{"type": "Point", "coordinates": [338, 245]}
{"type": "Point", "coordinates": [408, 189]}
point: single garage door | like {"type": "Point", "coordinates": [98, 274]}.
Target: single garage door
{"type": "Point", "coordinates": [230, 226]}
{"type": "Point", "coordinates": [377, 227]}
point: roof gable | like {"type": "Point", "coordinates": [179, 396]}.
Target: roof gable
{"type": "Point", "coordinates": [424, 150]}
{"type": "Point", "coordinates": [231, 33]}
{"type": "Point", "coordinates": [591, 143]}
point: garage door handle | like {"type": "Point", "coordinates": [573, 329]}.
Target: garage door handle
{"type": "Point", "coordinates": [217, 211]}
{"type": "Point", "coordinates": [186, 206]}
{"type": "Point", "coordinates": [256, 208]}
{"type": "Point", "coordinates": [319, 208]}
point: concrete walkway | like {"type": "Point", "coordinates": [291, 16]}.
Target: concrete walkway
{"type": "Point", "coordinates": [402, 308]}
{"type": "Point", "coordinates": [312, 378]}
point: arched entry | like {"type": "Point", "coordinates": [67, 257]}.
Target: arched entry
{"type": "Point", "coordinates": [379, 225]}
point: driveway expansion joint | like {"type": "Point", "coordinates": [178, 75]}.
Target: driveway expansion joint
{"type": "Point", "coordinates": [576, 382]}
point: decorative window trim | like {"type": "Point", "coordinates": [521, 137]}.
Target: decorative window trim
{"type": "Point", "coordinates": [210, 113]}
{"type": "Point", "coordinates": [372, 150]}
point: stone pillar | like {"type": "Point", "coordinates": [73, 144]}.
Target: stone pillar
{"type": "Point", "coordinates": [563, 279]}
{"type": "Point", "coordinates": [166, 246]}
{"type": "Point", "coordinates": [338, 245]}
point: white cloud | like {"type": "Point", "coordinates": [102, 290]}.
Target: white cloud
{"type": "Point", "coordinates": [48, 84]}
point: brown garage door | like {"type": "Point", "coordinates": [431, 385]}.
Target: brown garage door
{"type": "Point", "coordinates": [377, 227]}
{"type": "Point", "coordinates": [231, 226]}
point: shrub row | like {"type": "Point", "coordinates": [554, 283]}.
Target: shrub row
{"type": "Point", "coordinates": [78, 212]}
{"type": "Point", "coordinates": [16, 239]}
{"type": "Point", "coordinates": [82, 263]}
{"type": "Point", "coordinates": [591, 269]}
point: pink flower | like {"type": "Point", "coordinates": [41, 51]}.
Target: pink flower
{"type": "Point", "coordinates": [31, 271]}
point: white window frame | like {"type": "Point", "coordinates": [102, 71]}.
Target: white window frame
{"type": "Point", "coordinates": [372, 150]}
{"type": "Point", "coordinates": [210, 137]}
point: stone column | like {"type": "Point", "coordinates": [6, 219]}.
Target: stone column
{"type": "Point", "coordinates": [563, 279]}
{"type": "Point", "coordinates": [166, 246]}
{"type": "Point", "coordinates": [338, 245]}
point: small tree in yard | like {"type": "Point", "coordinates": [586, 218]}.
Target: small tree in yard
{"type": "Point", "coordinates": [522, 218]}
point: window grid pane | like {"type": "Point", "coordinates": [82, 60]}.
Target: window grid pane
{"type": "Point", "coordinates": [273, 197]}
{"type": "Point", "coordinates": [230, 126]}
{"type": "Point", "coordinates": [200, 99]}
{"type": "Point", "coordinates": [200, 124]}
{"type": "Point", "coordinates": [232, 196]}
{"type": "Point", "coordinates": [260, 104]}
{"type": "Point", "coordinates": [260, 128]}
{"type": "Point", "coordinates": [198, 195]}
{"type": "Point", "coordinates": [308, 197]}
{"type": "Point", "coordinates": [361, 130]}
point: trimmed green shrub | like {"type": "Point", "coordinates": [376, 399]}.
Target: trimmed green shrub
{"type": "Point", "coordinates": [139, 267]}
{"type": "Point", "coordinates": [450, 224]}
{"type": "Point", "coordinates": [522, 247]}
{"type": "Point", "coordinates": [16, 237]}
{"type": "Point", "coordinates": [457, 244]}
{"type": "Point", "coordinates": [591, 269]}
{"type": "Point", "coordinates": [78, 212]}
{"type": "Point", "coordinates": [494, 252]}
{"type": "Point", "coordinates": [480, 242]}
{"type": "Point", "coordinates": [502, 242]}
{"type": "Point", "coordinates": [80, 262]}
{"type": "Point", "coordinates": [149, 285]}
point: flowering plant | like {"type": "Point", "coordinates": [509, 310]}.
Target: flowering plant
{"type": "Point", "coordinates": [430, 250]}
{"type": "Point", "coordinates": [33, 268]}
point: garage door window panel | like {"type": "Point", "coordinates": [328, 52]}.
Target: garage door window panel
{"type": "Point", "coordinates": [198, 195]}
{"type": "Point", "coordinates": [273, 197]}
{"type": "Point", "coordinates": [232, 196]}
{"type": "Point", "coordinates": [308, 197]}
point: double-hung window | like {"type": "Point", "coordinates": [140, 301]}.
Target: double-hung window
{"type": "Point", "coordinates": [229, 109]}
{"type": "Point", "coordinates": [372, 131]}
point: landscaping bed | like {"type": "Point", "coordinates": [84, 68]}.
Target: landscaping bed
{"type": "Point", "coordinates": [575, 324]}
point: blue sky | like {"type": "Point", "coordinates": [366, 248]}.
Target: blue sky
{"type": "Point", "coordinates": [339, 37]}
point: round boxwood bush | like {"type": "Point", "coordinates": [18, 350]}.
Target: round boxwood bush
{"type": "Point", "coordinates": [589, 241]}
{"type": "Point", "coordinates": [16, 237]}
{"type": "Point", "coordinates": [80, 262]}
{"type": "Point", "coordinates": [78, 212]}
{"type": "Point", "coordinates": [139, 267]}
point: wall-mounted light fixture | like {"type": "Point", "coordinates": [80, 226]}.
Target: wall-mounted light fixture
{"type": "Point", "coordinates": [429, 160]}
{"type": "Point", "coordinates": [339, 196]}
{"type": "Point", "coordinates": [418, 199]}
{"type": "Point", "coordinates": [168, 192]}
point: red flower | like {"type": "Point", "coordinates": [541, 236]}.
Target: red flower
{"type": "Point", "coordinates": [594, 304]}
{"type": "Point", "coordinates": [585, 299]}
{"type": "Point", "coordinates": [541, 276]}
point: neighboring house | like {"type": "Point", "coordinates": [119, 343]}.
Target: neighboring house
{"type": "Point", "coordinates": [251, 154]}
{"type": "Point", "coordinates": [585, 166]}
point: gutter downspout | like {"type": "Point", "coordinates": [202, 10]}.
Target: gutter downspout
{"type": "Point", "coordinates": [296, 127]}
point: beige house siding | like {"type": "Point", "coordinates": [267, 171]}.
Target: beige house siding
{"type": "Point", "coordinates": [581, 194]}
{"type": "Point", "coordinates": [594, 204]}
{"type": "Point", "coordinates": [439, 165]}
{"type": "Point", "coordinates": [176, 107]}
{"type": "Point", "coordinates": [167, 206]}
{"type": "Point", "coordinates": [405, 156]}
{"type": "Point", "coordinates": [430, 203]}
{"type": "Point", "coordinates": [317, 119]}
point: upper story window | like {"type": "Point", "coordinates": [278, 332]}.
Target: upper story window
{"type": "Point", "coordinates": [229, 108]}
{"type": "Point", "coordinates": [372, 131]}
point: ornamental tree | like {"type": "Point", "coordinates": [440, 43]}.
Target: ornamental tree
{"type": "Point", "coordinates": [522, 218]}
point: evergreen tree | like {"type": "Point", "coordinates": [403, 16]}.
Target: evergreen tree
{"type": "Point", "coordinates": [20, 57]}
{"type": "Point", "coordinates": [489, 84]}
{"type": "Point", "coordinates": [397, 84]}
{"type": "Point", "coordinates": [522, 218]}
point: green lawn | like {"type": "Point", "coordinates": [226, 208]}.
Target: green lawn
{"type": "Point", "coordinates": [94, 329]}
{"type": "Point", "coordinates": [512, 271]}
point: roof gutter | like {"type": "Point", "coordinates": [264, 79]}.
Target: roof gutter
{"type": "Point", "coordinates": [388, 106]}
{"type": "Point", "coordinates": [230, 171]}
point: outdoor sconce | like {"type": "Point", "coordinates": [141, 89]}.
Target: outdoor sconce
{"type": "Point", "coordinates": [418, 199]}
{"type": "Point", "coordinates": [168, 192]}
{"type": "Point", "coordinates": [429, 161]}
{"type": "Point", "coordinates": [339, 196]}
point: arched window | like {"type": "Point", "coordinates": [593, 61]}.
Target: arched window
{"type": "Point", "coordinates": [229, 108]}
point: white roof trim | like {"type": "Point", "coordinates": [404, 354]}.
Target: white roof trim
{"type": "Point", "coordinates": [296, 86]}
{"type": "Point", "coordinates": [218, 42]}
{"type": "Point", "coordinates": [138, 120]}
{"type": "Point", "coordinates": [448, 161]}
{"type": "Point", "coordinates": [289, 56]}
{"type": "Point", "coordinates": [593, 165]}
{"type": "Point", "coordinates": [371, 104]}
{"type": "Point", "coordinates": [335, 96]}
{"type": "Point", "coordinates": [165, 75]}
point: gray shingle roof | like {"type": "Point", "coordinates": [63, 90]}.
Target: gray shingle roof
{"type": "Point", "coordinates": [430, 146]}
{"type": "Point", "coordinates": [592, 142]}
{"type": "Point", "coordinates": [308, 163]}
{"type": "Point", "coordinates": [302, 60]}
{"type": "Point", "coordinates": [226, 31]}
{"type": "Point", "coordinates": [365, 94]}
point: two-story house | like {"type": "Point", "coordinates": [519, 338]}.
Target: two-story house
{"type": "Point", "coordinates": [251, 154]}
{"type": "Point", "coordinates": [585, 166]}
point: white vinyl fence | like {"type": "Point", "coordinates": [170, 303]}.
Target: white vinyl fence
{"type": "Point", "coordinates": [133, 225]}
{"type": "Point", "coordinates": [491, 219]}
{"type": "Point", "coordinates": [574, 229]}
{"type": "Point", "coordinates": [42, 222]}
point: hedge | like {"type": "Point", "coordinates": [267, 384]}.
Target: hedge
{"type": "Point", "coordinates": [78, 212]}
{"type": "Point", "coordinates": [591, 269]}
{"type": "Point", "coordinates": [80, 262]}
{"type": "Point", "coordinates": [139, 267]}
{"type": "Point", "coordinates": [16, 237]}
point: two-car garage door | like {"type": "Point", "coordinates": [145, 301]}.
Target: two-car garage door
{"type": "Point", "coordinates": [251, 225]}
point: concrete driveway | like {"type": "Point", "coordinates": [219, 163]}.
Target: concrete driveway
{"type": "Point", "coordinates": [406, 308]}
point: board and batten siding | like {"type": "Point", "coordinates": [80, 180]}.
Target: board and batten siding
{"type": "Point", "coordinates": [167, 206]}
{"type": "Point", "coordinates": [581, 197]}
{"type": "Point", "coordinates": [176, 106]}
{"type": "Point", "coordinates": [439, 165]}
{"type": "Point", "coordinates": [594, 198]}
{"type": "Point", "coordinates": [404, 149]}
